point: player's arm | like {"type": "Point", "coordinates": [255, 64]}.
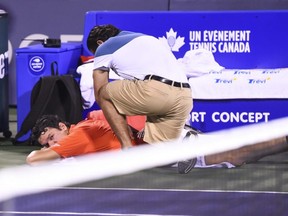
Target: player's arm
{"type": "Point", "coordinates": [100, 78]}
{"type": "Point", "coordinates": [116, 120]}
{"type": "Point", "coordinates": [39, 156]}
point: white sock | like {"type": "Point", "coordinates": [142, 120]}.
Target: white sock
{"type": "Point", "coordinates": [202, 164]}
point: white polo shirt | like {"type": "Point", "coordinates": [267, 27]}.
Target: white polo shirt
{"type": "Point", "coordinates": [135, 55]}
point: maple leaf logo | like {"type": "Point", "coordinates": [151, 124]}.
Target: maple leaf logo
{"type": "Point", "coordinates": [172, 41]}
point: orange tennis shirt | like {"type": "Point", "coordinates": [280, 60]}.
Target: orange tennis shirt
{"type": "Point", "coordinates": [88, 136]}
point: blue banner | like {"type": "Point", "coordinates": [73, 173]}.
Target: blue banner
{"type": "Point", "coordinates": [238, 40]}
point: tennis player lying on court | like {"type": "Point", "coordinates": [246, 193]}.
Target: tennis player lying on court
{"type": "Point", "coordinates": [61, 140]}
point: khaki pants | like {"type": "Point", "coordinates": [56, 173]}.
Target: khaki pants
{"type": "Point", "coordinates": [167, 108]}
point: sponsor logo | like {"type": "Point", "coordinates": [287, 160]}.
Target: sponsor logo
{"type": "Point", "coordinates": [226, 117]}
{"type": "Point", "coordinates": [242, 72]}
{"type": "Point", "coordinates": [243, 117]}
{"type": "Point", "coordinates": [224, 81]}
{"type": "Point", "coordinates": [277, 71]}
{"type": "Point", "coordinates": [258, 81]}
{"type": "Point", "coordinates": [222, 41]}
{"type": "Point", "coordinates": [36, 64]}
{"type": "Point", "coordinates": [172, 40]}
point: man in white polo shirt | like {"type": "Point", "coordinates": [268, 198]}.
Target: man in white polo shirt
{"type": "Point", "coordinates": [154, 84]}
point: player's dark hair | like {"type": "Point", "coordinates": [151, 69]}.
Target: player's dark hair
{"type": "Point", "coordinates": [43, 123]}
{"type": "Point", "coordinates": [100, 32]}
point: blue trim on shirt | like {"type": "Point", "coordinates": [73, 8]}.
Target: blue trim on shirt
{"type": "Point", "coordinates": [115, 43]}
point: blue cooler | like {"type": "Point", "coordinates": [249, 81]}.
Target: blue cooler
{"type": "Point", "coordinates": [33, 62]}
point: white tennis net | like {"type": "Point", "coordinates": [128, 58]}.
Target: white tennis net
{"type": "Point", "coordinates": [22, 180]}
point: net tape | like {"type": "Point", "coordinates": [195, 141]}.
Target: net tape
{"type": "Point", "coordinates": [22, 180]}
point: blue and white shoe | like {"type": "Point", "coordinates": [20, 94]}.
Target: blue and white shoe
{"type": "Point", "coordinates": [186, 166]}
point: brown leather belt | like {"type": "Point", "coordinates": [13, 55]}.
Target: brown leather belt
{"type": "Point", "coordinates": [167, 81]}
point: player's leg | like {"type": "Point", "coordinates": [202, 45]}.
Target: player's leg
{"type": "Point", "coordinates": [116, 120]}
{"type": "Point", "coordinates": [166, 107]}
{"type": "Point", "coordinates": [236, 157]}
{"type": "Point", "coordinates": [250, 153]}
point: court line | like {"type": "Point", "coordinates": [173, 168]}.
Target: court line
{"type": "Point", "coordinates": [14, 213]}
{"type": "Point", "coordinates": [78, 213]}
{"type": "Point", "coordinates": [173, 190]}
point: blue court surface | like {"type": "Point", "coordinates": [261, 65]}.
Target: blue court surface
{"type": "Point", "coordinates": [259, 188]}
{"type": "Point", "coordinates": [92, 201]}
